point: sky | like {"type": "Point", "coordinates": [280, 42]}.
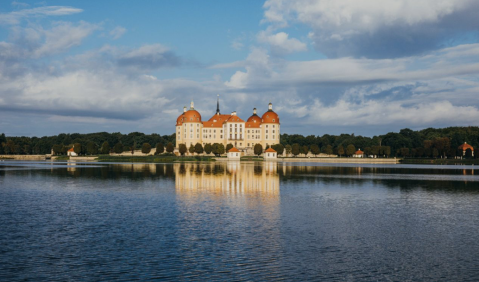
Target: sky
{"type": "Point", "coordinates": [328, 66]}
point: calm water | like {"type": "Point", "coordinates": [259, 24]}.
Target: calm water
{"type": "Point", "coordinates": [265, 221]}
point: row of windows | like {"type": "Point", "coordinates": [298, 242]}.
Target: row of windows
{"type": "Point", "coordinates": [236, 125]}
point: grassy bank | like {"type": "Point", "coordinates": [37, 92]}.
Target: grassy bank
{"type": "Point", "coordinates": [441, 161]}
{"type": "Point", "coordinates": [152, 159]}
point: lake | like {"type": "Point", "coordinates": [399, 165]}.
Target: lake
{"type": "Point", "coordinates": [260, 221]}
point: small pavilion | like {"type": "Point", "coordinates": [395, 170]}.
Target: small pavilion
{"type": "Point", "coordinates": [233, 154]}
{"type": "Point", "coordinates": [358, 154]}
{"type": "Point", "coordinates": [270, 153]}
{"type": "Point", "coordinates": [464, 148]}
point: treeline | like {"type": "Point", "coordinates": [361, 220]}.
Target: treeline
{"type": "Point", "coordinates": [89, 143]}
{"type": "Point", "coordinates": [426, 143]}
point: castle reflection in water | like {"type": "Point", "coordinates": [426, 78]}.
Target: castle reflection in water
{"type": "Point", "coordinates": [233, 178]}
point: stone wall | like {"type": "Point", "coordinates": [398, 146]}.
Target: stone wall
{"type": "Point", "coordinates": [25, 157]}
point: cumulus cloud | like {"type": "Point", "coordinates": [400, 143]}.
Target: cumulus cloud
{"type": "Point", "coordinates": [376, 28]}
{"type": "Point", "coordinates": [280, 43]}
{"type": "Point", "coordinates": [15, 17]}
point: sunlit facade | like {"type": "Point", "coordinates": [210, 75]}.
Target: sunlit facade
{"type": "Point", "coordinates": [228, 129]}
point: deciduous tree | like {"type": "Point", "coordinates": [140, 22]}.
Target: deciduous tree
{"type": "Point", "coordinates": [340, 150]}
{"type": "Point", "coordinates": [170, 148]}
{"type": "Point", "coordinates": [105, 148]}
{"type": "Point", "coordinates": [258, 149]}
{"type": "Point", "coordinates": [199, 148]}
{"type": "Point", "coordinates": [295, 149]}
{"type": "Point", "coordinates": [208, 148]}
{"type": "Point", "coordinates": [146, 148]}
{"type": "Point", "coordinates": [159, 148]}
{"type": "Point", "coordinates": [181, 148]}
{"type": "Point", "coordinates": [350, 150]}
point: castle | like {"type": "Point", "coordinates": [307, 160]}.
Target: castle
{"type": "Point", "coordinates": [226, 129]}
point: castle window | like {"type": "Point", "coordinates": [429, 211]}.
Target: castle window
{"type": "Point", "coordinates": [273, 131]}
{"type": "Point", "coordinates": [248, 144]}
{"type": "Point", "coordinates": [236, 125]}
{"type": "Point", "coordinates": [273, 124]}
{"type": "Point", "coordinates": [266, 126]}
{"type": "Point", "coordinates": [266, 131]}
{"type": "Point", "coordinates": [231, 125]}
{"type": "Point", "coordinates": [221, 136]}
{"type": "Point", "coordinates": [273, 120]}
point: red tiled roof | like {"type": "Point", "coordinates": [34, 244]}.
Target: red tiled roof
{"type": "Point", "coordinates": [235, 119]}
{"type": "Point", "coordinates": [270, 117]}
{"type": "Point", "coordinates": [270, 150]}
{"type": "Point", "coordinates": [252, 124]}
{"type": "Point", "coordinates": [465, 146]}
{"type": "Point", "coordinates": [233, 150]}
{"type": "Point", "coordinates": [71, 150]}
{"type": "Point", "coordinates": [359, 152]}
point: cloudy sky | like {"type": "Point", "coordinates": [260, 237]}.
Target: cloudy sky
{"type": "Point", "coordinates": [328, 66]}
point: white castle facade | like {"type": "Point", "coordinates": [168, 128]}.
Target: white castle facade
{"type": "Point", "coordinates": [228, 129]}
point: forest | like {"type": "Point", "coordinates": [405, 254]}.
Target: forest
{"type": "Point", "coordinates": [426, 143]}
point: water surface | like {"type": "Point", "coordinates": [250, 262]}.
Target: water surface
{"type": "Point", "coordinates": [238, 221]}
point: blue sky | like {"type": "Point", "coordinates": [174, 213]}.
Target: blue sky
{"type": "Point", "coordinates": [328, 66]}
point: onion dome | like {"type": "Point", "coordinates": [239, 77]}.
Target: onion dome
{"type": "Point", "coordinates": [270, 116]}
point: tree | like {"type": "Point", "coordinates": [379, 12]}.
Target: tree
{"type": "Point", "coordinates": [77, 148]}
{"type": "Point", "coordinates": [258, 149]}
{"type": "Point", "coordinates": [191, 149]}
{"type": "Point", "coordinates": [146, 148]}
{"type": "Point", "coordinates": [92, 148]}
{"type": "Point", "coordinates": [181, 148]}
{"type": "Point", "coordinates": [288, 149]}
{"type": "Point", "coordinates": [315, 150]}
{"type": "Point", "coordinates": [305, 150]}
{"type": "Point", "coordinates": [435, 153]}
{"type": "Point", "coordinates": [170, 148]}
{"type": "Point", "coordinates": [208, 148]}
{"type": "Point", "coordinates": [340, 150]}
{"type": "Point", "coordinates": [199, 148]}
{"type": "Point", "coordinates": [367, 151]}
{"type": "Point", "coordinates": [218, 149]}
{"type": "Point", "coordinates": [105, 148]}
{"type": "Point", "coordinates": [278, 148]}
{"type": "Point", "coordinates": [387, 151]}
{"type": "Point", "coordinates": [118, 148]}
{"type": "Point", "coordinates": [229, 147]}
{"type": "Point", "coordinates": [57, 149]}
{"type": "Point", "coordinates": [350, 150]}
{"type": "Point", "coordinates": [159, 148]}
{"type": "Point", "coordinates": [328, 150]}
{"type": "Point", "coordinates": [295, 149]}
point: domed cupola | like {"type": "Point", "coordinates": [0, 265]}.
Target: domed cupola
{"type": "Point", "coordinates": [270, 116]}
{"type": "Point", "coordinates": [254, 118]}
{"type": "Point", "coordinates": [191, 115]}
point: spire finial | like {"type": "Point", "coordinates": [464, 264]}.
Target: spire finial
{"type": "Point", "coordinates": [192, 105]}
{"type": "Point", "coordinates": [218, 105]}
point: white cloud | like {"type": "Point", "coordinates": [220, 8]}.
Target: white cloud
{"type": "Point", "coordinates": [16, 16]}
{"type": "Point", "coordinates": [117, 32]}
{"type": "Point", "coordinates": [62, 37]}
{"type": "Point", "coordinates": [280, 43]}
{"type": "Point", "coordinates": [351, 27]}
